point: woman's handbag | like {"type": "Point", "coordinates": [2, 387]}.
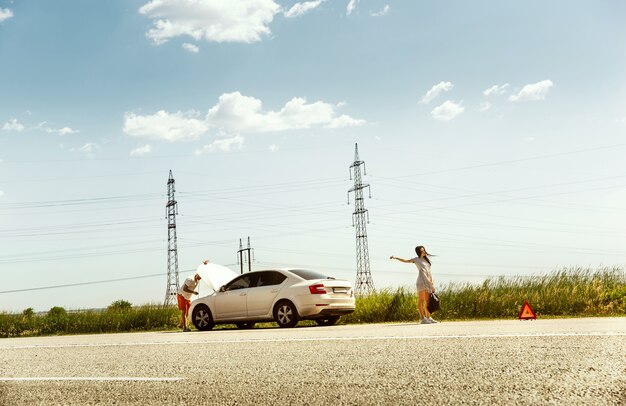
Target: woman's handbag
{"type": "Point", "coordinates": [433, 303]}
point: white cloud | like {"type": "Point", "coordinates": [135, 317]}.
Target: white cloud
{"type": "Point", "coordinates": [435, 90]}
{"type": "Point", "coordinates": [173, 127]}
{"type": "Point", "coordinates": [191, 48]}
{"type": "Point", "coordinates": [222, 144]}
{"type": "Point", "coordinates": [89, 149]}
{"type": "Point", "coordinates": [238, 113]}
{"type": "Point", "coordinates": [13, 125]}
{"type": "Point", "coordinates": [484, 106]}
{"type": "Point", "coordinates": [66, 131]}
{"type": "Point", "coordinates": [1, 193]}
{"type": "Point", "coordinates": [496, 89]}
{"type": "Point", "coordinates": [447, 111]}
{"type": "Point", "coordinates": [380, 13]}
{"type": "Point", "coordinates": [345, 121]}
{"type": "Point", "coordinates": [211, 20]}
{"type": "Point", "coordinates": [273, 148]}
{"type": "Point", "coordinates": [299, 9]}
{"type": "Point", "coordinates": [351, 6]}
{"type": "Point", "coordinates": [5, 14]}
{"type": "Point", "coordinates": [141, 151]}
{"type": "Point", "coordinates": [59, 131]}
{"type": "Point", "coordinates": [533, 91]}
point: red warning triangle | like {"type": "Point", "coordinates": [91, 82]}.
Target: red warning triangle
{"type": "Point", "coordinates": [527, 312]}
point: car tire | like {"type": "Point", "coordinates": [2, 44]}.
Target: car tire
{"type": "Point", "coordinates": [202, 318]}
{"type": "Point", "coordinates": [327, 321]}
{"type": "Point", "coordinates": [245, 325]}
{"type": "Point", "coordinates": [286, 314]}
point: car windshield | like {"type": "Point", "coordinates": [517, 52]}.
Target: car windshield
{"type": "Point", "coordinates": [308, 275]}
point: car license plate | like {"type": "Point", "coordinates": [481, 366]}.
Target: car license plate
{"type": "Point", "coordinates": [340, 290]}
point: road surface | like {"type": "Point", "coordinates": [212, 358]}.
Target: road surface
{"type": "Point", "coordinates": [563, 361]}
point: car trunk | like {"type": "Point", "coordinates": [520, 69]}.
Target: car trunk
{"type": "Point", "coordinates": [336, 287]}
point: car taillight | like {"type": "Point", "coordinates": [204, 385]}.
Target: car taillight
{"type": "Point", "coordinates": [317, 289]}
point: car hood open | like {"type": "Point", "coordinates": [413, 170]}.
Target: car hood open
{"type": "Point", "coordinates": [213, 276]}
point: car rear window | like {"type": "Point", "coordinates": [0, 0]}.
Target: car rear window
{"type": "Point", "coordinates": [308, 275]}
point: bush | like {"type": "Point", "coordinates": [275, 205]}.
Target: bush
{"type": "Point", "coordinates": [57, 312]}
{"type": "Point", "coordinates": [55, 322]}
{"type": "Point", "coordinates": [120, 306]}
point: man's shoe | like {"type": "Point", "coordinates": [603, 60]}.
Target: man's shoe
{"type": "Point", "coordinates": [432, 321]}
{"type": "Point", "coordinates": [425, 321]}
{"type": "Point", "coordinates": [186, 329]}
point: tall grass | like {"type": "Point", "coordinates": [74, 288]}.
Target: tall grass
{"type": "Point", "coordinates": [58, 321]}
{"type": "Point", "coordinates": [566, 292]}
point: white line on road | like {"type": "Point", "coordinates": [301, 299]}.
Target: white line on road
{"type": "Point", "coordinates": [304, 339]}
{"type": "Point", "coordinates": [90, 378]}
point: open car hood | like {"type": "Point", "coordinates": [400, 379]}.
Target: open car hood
{"type": "Point", "coordinates": [213, 277]}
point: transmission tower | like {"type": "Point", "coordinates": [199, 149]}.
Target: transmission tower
{"type": "Point", "coordinates": [249, 253]}
{"type": "Point", "coordinates": [364, 284]}
{"type": "Point", "coordinates": [171, 210]}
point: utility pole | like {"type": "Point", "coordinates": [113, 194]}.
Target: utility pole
{"type": "Point", "coordinates": [360, 217]}
{"type": "Point", "coordinates": [240, 258]}
{"type": "Point", "coordinates": [171, 210]}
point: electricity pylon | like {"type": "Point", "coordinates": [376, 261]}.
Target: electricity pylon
{"type": "Point", "coordinates": [364, 284]}
{"type": "Point", "coordinates": [171, 210]}
{"type": "Point", "coordinates": [241, 259]}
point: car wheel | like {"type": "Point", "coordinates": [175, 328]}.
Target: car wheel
{"type": "Point", "coordinates": [327, 321]}
{"type": "Point", "coordinates": [285, 314]}
{"type": "Point", "coordinates": [201, 318]}
{"type": "Point", "coordinates": [245, 326]}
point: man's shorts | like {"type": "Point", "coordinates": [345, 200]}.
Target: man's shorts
{"type": "Point", "coordinates": [183, 304]}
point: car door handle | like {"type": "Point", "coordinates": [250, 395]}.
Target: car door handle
{"type": "Point", "coordinates": [275, 291]}
{"type": "Point", "coordinates": [242, 294]}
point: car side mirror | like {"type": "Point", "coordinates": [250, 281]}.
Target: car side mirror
{"type": "Point", "coordinates": [222, 288]}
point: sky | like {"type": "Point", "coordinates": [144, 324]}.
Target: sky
{"type": "Point", "coordinates": [493, 133]}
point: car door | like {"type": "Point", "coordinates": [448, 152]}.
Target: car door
{"type": "Point", "coordinates": [262, 295]}
{"type": "Point", "coordinates": [231, 303]}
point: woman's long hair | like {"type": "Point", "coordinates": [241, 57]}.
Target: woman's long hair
{"type": "Point", "coordinates": [417, 251]}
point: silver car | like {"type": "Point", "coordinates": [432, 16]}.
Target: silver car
{"type": "Point", "coordinates": [285, 296]}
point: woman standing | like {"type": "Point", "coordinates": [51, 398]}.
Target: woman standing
{"type": "Point", "coordinates": [425, 284]}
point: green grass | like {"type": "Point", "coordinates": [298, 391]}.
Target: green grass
{"type": "Point", "coordinates": [569, 292]}
{"type": "Point", "coordinates": [58, 321]}
{"type": "Point", "coordinates": [573, 292]}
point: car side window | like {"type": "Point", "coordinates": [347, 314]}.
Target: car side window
{"type": "Point", "coordinates": [240, 283]}
{"type": "Point", "coordinates": [270, 278]}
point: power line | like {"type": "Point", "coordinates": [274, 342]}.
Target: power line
{"type": "Point", "coordinates": [80, 283]}
{"type": "Point", "coordinates": [498, 163]}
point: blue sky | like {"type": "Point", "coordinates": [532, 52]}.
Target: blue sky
{"type": "Point", "coordinates": [493, 133]}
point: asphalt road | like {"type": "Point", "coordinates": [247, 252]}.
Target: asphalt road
{"type": "Point", "coordinates": [566, 361]}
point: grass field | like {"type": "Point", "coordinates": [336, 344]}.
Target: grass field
{"type": "Point", "coordinates": [573, 292]}
{"type": "Point", "coordinates": [570, 292]}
